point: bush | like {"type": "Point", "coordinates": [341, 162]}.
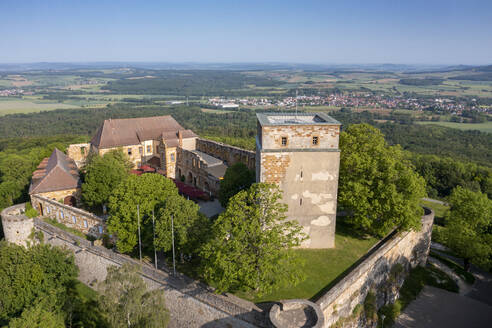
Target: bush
{"type": "Point", "coordinates": [30, 211]}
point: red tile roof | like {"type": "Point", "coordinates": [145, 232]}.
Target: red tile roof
{"type": "Point", "coordinates": [58, 173]}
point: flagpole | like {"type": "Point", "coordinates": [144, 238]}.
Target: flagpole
{"type": "Point", "coordinates": [153, 226]}
{"type": "Point", "coordinates": [139, 240]}
{"type": "Point", "coordinates": [172, 234]}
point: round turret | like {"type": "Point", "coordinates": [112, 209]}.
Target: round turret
{"type": "Point", "coordinates": [17, 227]}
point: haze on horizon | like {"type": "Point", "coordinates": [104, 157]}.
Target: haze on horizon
{"type": "Point", "coordinates": [321, 32]}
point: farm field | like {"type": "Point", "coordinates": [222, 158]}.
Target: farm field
{"type": "Point", "coordinates": [28, 106]}
{"type": "Point", "coordinates": [484, 127]}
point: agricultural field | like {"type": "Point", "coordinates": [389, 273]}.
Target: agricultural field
{"type": "Point", "coordinates": [11, 106]}
{"type": "Point", "coordinates": [484, 127]}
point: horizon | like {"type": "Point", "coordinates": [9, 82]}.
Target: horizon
{"type": "Point", "coordinates": [443, 33]}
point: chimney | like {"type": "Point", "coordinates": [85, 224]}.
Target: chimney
{"type": "Point", "coordinates": [180, 137]}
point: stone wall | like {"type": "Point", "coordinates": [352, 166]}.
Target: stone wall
{"type": "Point", "coordinates": [79, 152]}
{"type": "Point", "coordinates": [194, 170]}
{"type": "Point", "coordinates": [72, 217]}
{"type": "Point", "coordinates": [229, 154]}
{"type": "Point", "coordinates": [191, 304]}
{"type": "Point", "coordinates": [375, 271]}
{"type": "Point", "coordinates": [60, 195]}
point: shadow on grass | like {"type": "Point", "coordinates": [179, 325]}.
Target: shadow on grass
{"type": "Point", "coordinates": [345, 273]}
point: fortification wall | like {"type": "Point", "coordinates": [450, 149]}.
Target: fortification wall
{"type": "Point", "coordinates": [229, 154]}
{"type": "Point", "coordinates": [190, 303]}
{"type": "Point", "coordinates": [376, 271]}
{"type": "Point", "coordinates": [72, 217]}
{"type": "Point", "coordinates": [79, 153]}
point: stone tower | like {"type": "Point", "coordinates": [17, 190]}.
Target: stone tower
{"type": "Point", "coordinates": [300, 154]}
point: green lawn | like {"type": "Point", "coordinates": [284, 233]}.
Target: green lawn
{"type": "Point", "coordinates": [322, 267]}
{"type": "Point", "coordinates": [438, 209]}
{"type": "Point", "coordinates": [484, 127]}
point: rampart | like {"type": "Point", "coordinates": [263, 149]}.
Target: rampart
{"type": "Point", "coordinates": [70, 216]}
{"type": "Point", "coordinates": [193, 304]}
{"type": "Point", "coordinates": [229, 154]}
{"type": "Point", "coordinates": [190, 303]}
{"type": "Point", "coordinates": [382, 270]}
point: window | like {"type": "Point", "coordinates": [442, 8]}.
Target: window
{"type": "Point", "coordinates": [284, 141]}
{"type": "Point", "coordinates": [156, 149]}
{"type": "Point", "coordinates": [129, 151]}
{"type": "Point", "coordinates": [300, 201]}
{"type": "Point", "coordinates": [82, 151]}
{"type": "Point", "coordinates": [85, 224]}
{"type": "Point", "coordinates": [62, 215]}
{"type": "Point", "coordinates": [74, 219]}
{"type": "Point", "coordinates": [172, 157]}
{"type": "Point", "coordinates": [315, 141]}
{"type": "Point", "coordinates": [100, 229]}
{"type": "Point", "coordinates": [140, 150]}
{"type": "Point", "coordinates": [149, 149]}
{"type": "Point", "coordinates": [48, 210]}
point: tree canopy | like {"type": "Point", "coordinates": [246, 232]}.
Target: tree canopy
{"type": "Point", "coordinates": [236, 178]}
{"type": "Point", "coordinates": [469, 226]}
{"type": "Point", "coordinates": [378, 187]}
{"type": "Point", "coordinates": [249, 247]}
{"type": "Point", "coordinates": [147, 191]}
{"type": "Point", "coordinates": [102, 175]}
{"type": "Point", "coordinates": [126, 302]}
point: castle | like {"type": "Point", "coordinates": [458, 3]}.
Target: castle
{"type": "Point", "coordinates": [297, 152]}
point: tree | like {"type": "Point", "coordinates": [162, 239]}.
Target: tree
{"type": "Point", "coordinates": [250, 243]}
{"type": "Point", "coordinates": [126, 303]}
{"type": "Point", "coordinates": [469, 226]}
{"type": "Point", "coordinates": [147, 191]}
{"type": "Point", "coordinates": [103, 174]}
{"type": "Point", "coordinates": [38, 316]}
{"type": "Point", "coordinates": [237, 177]}
{"type": "Point", "coordinates": [378, 187]}
{"type": "Point", "coordinates": [28, 276]}
{"type": "Point", "coordinates": [190, 226]}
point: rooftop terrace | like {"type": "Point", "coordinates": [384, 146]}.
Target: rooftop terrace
{"type": "Point", "coordinates": [266, 119]}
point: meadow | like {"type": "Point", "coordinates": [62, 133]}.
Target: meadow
{"type": "Point", "coordinates": [484, 127]}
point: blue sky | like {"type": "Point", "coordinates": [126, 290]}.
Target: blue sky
{"type": "Point", "coordinates": [302, 31]}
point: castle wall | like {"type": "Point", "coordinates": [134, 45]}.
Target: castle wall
{"type": "Point", "coordinates": [72, 217]}
{"type": "Point", "coordinates": [59, 195]}
{"type": "Point", "coordinates": [229, 154]}
{"type": "Point", "coordinates": [309, 182]}
{"type": "Point", "coordinates": [193, 168]}
{"type": "Point", "coordinates": [191, 304]}
{"type": "Point", "coordinates": [79, 152]}
{"type": "Point", "coordinates": [300, 136]}
{"type": "Point", "coordinates": [374, 272]}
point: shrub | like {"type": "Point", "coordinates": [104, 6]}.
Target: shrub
{"type": "Point", "coordinates": [30, 211]}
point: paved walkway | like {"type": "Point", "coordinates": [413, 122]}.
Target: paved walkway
{"type": "Point", "coordinates": [210, 208]}
{"type": "Point", "coordinates": [436, 307]}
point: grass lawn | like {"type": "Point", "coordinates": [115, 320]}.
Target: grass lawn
{"type": "Point", "coordinates": [85, 292]}
{"type": "Point", "coordinates": [438, 209]}
{"type": "Point", "coordinates": [64, 227]}
{"type": "Point", "coordinates": [322, 267]}
{"type": "Point", "coordinates": [484, 127]}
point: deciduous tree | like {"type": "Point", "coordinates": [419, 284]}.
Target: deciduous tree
{"type": "Point", "coordinates": [250, 243]}
{"type": "Point", "coordinates": [126, 302]}
{"type": "Point", "coordinates": [378, 187]}
{"type": "Point", "coordinates": [469, 226]}
{"type": "Point", "coordinates": [237, 177]}
{"type": "Point", "coordinates": [147, 191]}
{"type": "Point", "coordinates": [103, 174]}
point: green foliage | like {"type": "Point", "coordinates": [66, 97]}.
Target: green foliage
{"type": "Point", "coordinates": [250, 242]}
{"type": "Point", "coordinates": [390, 312]}
{"type": "Point", "coordinates": [64, 227]}
{"type": "Point", "coordinates": [125, 301]}
{"type": "Point", "coordinates": [19, 158]}
{"type": "Point", "coordinates": [28, 276]}
{"type": "Point", "coordinates": [237, 177]}
{"type": "Point", "coordinates": [40, 315]}
{"type": "Point", "coordinates": [370, 306]}
{"type": "Point", "coordinates": [147, 191]}
{"type": "Point", "coordinates": [469, 226]}
{"type": "Point", "coordinates": [102, 175]}
{"type": "Point", "coordinates": [443, 174]}
{"type": "Point", "coordinates": [190, 226]}
{"type": "Point", "coordinates": [458, 269]}
{"type": "Point", "coordinates": [378, 188]}
{"type": "Point", "coordinates": [30, 211]}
